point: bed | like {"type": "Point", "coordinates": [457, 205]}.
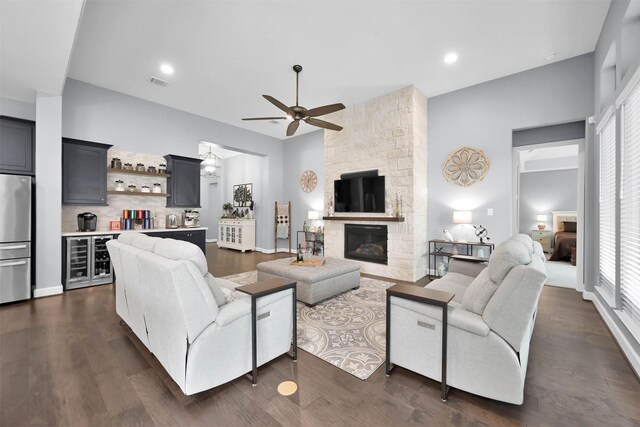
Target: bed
{"type": "Point", "coordinates": [564, 237]}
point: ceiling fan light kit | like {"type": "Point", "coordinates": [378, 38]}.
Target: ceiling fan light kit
{"type": "Point", "coordinates": [297, 113]}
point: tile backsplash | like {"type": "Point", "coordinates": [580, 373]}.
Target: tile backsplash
{"type": "Point", "coordinates": [117, 203]}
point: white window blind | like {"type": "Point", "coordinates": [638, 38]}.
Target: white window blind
{"type": "Point", "coordinates": [607, 276]}
{"type": "Point", "coordinates": [630, 209]}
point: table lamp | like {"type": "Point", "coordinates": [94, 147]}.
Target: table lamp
{"type": "Point", "coordinates": [541, 218]}
{"type": "Point", "coordinates": [462, 217]}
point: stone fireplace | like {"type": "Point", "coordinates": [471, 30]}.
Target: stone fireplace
{"type": "Point", "coordinates": [366, 243]}
{"type": "Point", "coordinates": [388, 134]}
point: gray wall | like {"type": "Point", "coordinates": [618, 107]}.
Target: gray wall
{"type": "Point", "coordinates": [484, 116]}
{"type": "Point", "coordinates": [18, 109]}
{"type": "Point", "coordinates": [301, 153]}
{"type": "Point", "coordinates": [211, 209]}
{"type": "Point", "coordinates": [546, 191]}
{"type": "Point", "coordinates": [249, 169]}
{"type": "Point", "coordinates": [101, 115]}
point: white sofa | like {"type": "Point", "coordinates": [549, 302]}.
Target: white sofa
{"type": "Point", "coordinates": [196, 325]}
{"type": "Point", "coordinates": [490, 323]}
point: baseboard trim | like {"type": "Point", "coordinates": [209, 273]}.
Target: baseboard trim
{"type": "Point", "coordinates": [272, 251]}
{"type": "Point", "coordinates": [627, 349]}
{"type": "Point", "coordinates": [211, 240]}
{"type": "Point", "coordinates": [588, 296]}
{"type": "Point", "coordinates": [46, 292]}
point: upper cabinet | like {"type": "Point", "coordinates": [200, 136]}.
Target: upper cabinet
{"type": "Point", "coordinates": [84, 172]}
{"type": "Point", "coordinates": [184, 183]}
{"type": "Point", "coordinates": [17, 141]}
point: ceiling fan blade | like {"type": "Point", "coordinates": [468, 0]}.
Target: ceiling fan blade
{"type": "Point", "coordinates": [325, 109]}
{"type": "Point", "coordinates": [279, 104]}
{"type": "Point", "coordinates": [264, 118]}
{"type": "Point", "coordinates": [323, 124]}
{"type": "Point", "coordinates": [293, 127]}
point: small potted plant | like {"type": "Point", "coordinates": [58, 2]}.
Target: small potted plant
{"type": "Point", "coordinates": [228, 208]}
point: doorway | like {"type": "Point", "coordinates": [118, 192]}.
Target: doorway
{"type": "Point", "coordinates": [548, 205]}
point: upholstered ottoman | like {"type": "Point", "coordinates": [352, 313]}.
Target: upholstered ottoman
{"type": "Point", "coordinates": [314, 283]}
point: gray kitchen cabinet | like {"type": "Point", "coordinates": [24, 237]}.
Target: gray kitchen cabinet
{"type": "Point", "coordinates": [184, 182]}
{"type": "Point", "coordinates": [197, 237]}
{"type": "Point", "coordinates": [17, 141]}
{"type": "Point", "coordinates": [84, 172]}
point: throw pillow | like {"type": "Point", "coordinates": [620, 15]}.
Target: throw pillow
{"type": "Point", "coordinates": [569, 226]}
{"type": "Point", "coordinates": [216, 290]}
{"type": "Point", "coordinates": [478, 293]}
{"type": "Point", "coordinates": [229, 295]}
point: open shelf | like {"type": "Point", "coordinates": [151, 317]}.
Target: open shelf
{"type": "Point", "coordinates": [134, 172]}
{"type": "Point", "coordinates": [137, 193]}
{"type": "Point", "coordinates": [364, 218]}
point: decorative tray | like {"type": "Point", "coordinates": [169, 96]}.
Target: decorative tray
{"type": "Point", "coordinates": [308, 263]}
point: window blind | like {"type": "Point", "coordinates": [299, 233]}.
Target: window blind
{"type": "Point", "coordinates": [630, 208]}
{"type": "Point", "coordinates": [607, 276]}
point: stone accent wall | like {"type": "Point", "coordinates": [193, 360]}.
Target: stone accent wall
{"type": "Point", "coordinates": [117, 203]}
{"type": "Point", "coordinates": [387, 133]}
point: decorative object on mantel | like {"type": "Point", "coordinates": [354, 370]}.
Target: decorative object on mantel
{"type": "Point", "coordinates": [466, 166]}
{"type": "Point", "coordinates": [397, 208]}
{"type": "Point", "coordinates": [447, 236]}
{"type": "Point", "coordinates": [242, 195]}
{"type": "Point", "coordinates": [210, 166]}
{"type": "Point", "coordinates": [297, 112]}
{"type": "Point", "coordinates": [308, 181]}
{"type": "Point", "coordinates": [481, 233]}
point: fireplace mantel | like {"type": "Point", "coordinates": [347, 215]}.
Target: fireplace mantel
{"type": "Point", "coordinates": [364, 218]}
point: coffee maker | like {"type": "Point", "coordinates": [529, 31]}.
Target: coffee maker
{"type": "Point", "coordinates": [190, 218]}
{"type": "Point", "coordinates": [87, 221]}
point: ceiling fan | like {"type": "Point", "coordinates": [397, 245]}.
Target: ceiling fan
{"type": "Point", "coordinates": [297, 112]}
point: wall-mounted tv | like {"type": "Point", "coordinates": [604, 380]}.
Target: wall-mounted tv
{"type": "Point", "coordinates": [359, 192]}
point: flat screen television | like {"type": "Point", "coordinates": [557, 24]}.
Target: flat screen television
{"type": "Point", "coordinates": [359, 194]}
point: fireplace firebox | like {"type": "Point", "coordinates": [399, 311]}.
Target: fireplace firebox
{"type": "Point", "coordinates": [366, 243]}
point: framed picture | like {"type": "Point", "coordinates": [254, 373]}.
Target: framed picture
{"type": "Point", "coordinates": [242, 195]}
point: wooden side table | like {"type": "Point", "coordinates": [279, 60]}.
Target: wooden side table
{"type": "Point", "coordinates": [261, 289]}
{"type": "Point", "coordinates": [425, 296]}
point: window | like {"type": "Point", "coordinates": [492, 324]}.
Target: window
{"type": "Point", "coordinates": [630, 211]}
{"type": "Point", "coordinates": [607, 276]}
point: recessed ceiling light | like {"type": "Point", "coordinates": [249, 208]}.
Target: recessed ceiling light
{"type": "Point", "coordinates": [550, 56]}
{"type": "Point", "coordinates": [450, 58]}
{"type": "Point", "coordinates": [167, 69]}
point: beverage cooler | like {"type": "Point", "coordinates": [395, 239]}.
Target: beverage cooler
{"type": "Point", "coordinates": [88, 262]}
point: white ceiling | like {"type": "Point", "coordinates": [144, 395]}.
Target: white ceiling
{"type": "Point", "coordinates": [227, 54]}
{"type": "Point", "coordinates": [36, 39]}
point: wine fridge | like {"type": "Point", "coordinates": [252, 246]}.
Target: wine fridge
{"type": "Point", "coordinates": [88, 262]}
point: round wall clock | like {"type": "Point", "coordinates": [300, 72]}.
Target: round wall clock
{"type": "Point", "coordinates": [308, 181]}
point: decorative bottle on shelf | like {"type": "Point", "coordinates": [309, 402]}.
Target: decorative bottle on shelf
{"type": "Point", "coordinates": [299, 257]}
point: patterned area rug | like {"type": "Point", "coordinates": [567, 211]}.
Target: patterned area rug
{"type": "Point", "coordinates": [347, 330]}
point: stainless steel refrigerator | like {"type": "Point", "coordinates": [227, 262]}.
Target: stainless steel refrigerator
{"type": "Point", "coordinates": [15, 238]}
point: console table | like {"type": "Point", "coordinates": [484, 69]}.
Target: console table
{"type": "Point", "coordinates": [237, 233]}
{"type": "Point", "coordinates": [425, 296]}
{"type": "Point", "coordinates": [261, 289]}
{"type": "Point", "coordinates": [444, 249]}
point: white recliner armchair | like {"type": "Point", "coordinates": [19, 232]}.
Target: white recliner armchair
{"type": "Point", "coordinates": [490, 323]}
{"type": "Point", "coordinates": [200, 333]}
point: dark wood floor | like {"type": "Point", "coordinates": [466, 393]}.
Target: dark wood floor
{"type": "Point", "coordinates": [66, 360]}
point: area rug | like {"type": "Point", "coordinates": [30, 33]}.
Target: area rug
{"type": "Point", "coordinates": [347, 330]}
